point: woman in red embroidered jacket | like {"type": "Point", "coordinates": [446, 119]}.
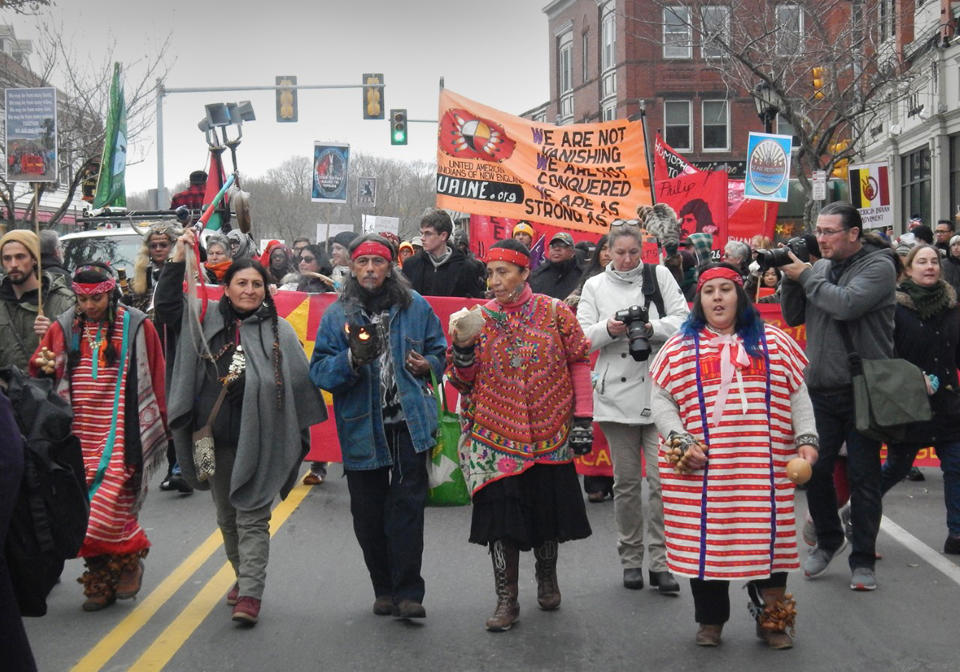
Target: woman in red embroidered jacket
{"type": "Point", "coordinates": [107, 361]}
{"type": "Point", "coordinates": [528, 406]}
{"type": "Point", "coordinates": [729, 391]}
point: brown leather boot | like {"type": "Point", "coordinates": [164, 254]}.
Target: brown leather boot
{"type": "Point", "coordinates": [99, 583]}
{"type": "Point", "coordinates": [131, 574]}
{"type": "Point", "coordinates": [506, 561]}
{"type": "Point", "coordinates": [775, 621]}
{"type": "Point", "coordinates": [709, 635]}
{"type": "Point", "coordinates": [548, 592]}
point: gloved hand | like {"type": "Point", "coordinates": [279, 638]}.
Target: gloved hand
{"type": "Point", "coordinates": [365, 343]}
{"type": "Point", "coordinates": [581, 436]}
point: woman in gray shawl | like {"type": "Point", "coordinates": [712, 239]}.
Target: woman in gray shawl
{"type": "Point", "coordinates": [261, 432]}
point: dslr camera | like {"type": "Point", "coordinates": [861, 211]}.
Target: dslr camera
{"type": "Point", "coordinates": [779, 257]}
{"type": "Point", "coordinates": [636, 318]}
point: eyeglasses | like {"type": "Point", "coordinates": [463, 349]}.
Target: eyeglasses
{"type": "Point", "coordinates": [159, 246]}
{"type": "Point", "coordinates": [823, 233]}
{"type": "Point", "coordinates": [307, 259]}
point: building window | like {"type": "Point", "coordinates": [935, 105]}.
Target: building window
{"type": "Point", "coordinates": [676, 122]}
{"type": "Point", "coordinates": [789, 30]}
{"type": "Point", "coordinates": [915, 192]}
{"type": "Point", "coordinates": [584, 54]}
{"type": "Point", "coordinates": [608, 52]}
{"type": "Point", "coordinates": [608, 111]}
{"type": "Point", "coordinates": [608, 38]}
{"type": "Point", "coordinates": [565, 73]}
{"type": "Point", "coordinates": [716, 125]}
{"type": "Point", "coordinates": [955, 173]}
{"type": "Point", "coordinates": [716, 28]}
{"type": "Point", "coordinates": [887, 19]}
{"type": "Point", "coordinates": [784, 127]}
{"type": "Point", "coordinates": [676, 33]}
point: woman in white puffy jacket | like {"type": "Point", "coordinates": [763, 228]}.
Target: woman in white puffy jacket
{"type": "Point", "coordinates": [621, 394]}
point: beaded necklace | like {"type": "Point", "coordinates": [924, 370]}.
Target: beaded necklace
{"type": "Point", "coordinates": [95, 344]}
{"type": "Point", "coordinates": [501, 319]}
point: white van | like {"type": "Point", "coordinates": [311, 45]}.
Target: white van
{"type": "Point", "coordinates": [117, 247]}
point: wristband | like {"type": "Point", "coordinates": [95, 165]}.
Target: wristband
{"type": "Point", "coordinates": [808, 440]}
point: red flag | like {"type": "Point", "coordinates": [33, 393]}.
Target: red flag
{"type": "Point", "coordinates": [215, 179]}
{"type": "Point", "coordinates": [667, 164]}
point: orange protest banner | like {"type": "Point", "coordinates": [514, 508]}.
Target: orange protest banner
{"type": "Point", "coordinates": [578, 177]}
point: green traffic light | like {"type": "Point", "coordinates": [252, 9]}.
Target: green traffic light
{"type": "Point", "coordinates": [399, 137]}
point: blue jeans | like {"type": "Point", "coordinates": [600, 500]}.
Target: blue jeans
{"type": "Point", "coordinates": [835, 425]}
{"type": "Point", "coordinates": [899, 460]}
{"type": "Point", "coordinates": [387, 507]}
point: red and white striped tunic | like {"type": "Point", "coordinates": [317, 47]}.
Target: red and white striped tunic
{"type": "Point", "coordinates": [734, 519]}
{"type": "Point", "coordinates": [113, 526]}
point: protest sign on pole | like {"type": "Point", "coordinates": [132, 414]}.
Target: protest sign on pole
{"type": "Point", "coordinates": [870, 194]}
{"type": "Point", "coordinates": [768, 167]}
{"type": "Point", "coordinates": [367, 191]}
{"type": "Point", "coordinates": [330, 163]}
{"type": "Point", "coordinates": [31, 137]}
{"type": "Point", "coordinates": [579, 177]}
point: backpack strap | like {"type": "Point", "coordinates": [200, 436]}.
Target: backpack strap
{"type": "Point", "coordinates": [651, 290]}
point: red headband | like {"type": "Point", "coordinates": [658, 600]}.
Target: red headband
{"type": "Point", "coordinates": [88, 288]}
{"type": "Point", "coordinates": [719, 272]}
{"type": "Point", "coordinates": [506, 254]}
{"type": "Point", "coordinates": [373, 248]}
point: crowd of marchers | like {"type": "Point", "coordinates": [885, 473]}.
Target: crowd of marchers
{"type": "Point", "coordinates": [672, 362]}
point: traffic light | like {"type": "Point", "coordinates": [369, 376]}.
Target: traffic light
{"type": "Point", "coordinates": [817, 72]}
{"type": "Point", "coordinates": [373, 95]}
{"type": "Point", "coordinates": [88, 181]}
{"type": "Point", "coordinates": [840, 168]}
{"type": "Point", "coordinates": [286, 98]}
{"type": "Point", "coordinates": [398, 127]}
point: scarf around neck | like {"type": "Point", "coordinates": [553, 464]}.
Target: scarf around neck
{"type": "Point", "coordinates": [633, 275]}
{"type": "Point", "coordinates": [927, 301]}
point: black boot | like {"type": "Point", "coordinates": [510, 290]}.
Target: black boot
{"type": "Point", "coordinates": [506, 560]}
{"type": "Point", "coordinates": [548, 592]}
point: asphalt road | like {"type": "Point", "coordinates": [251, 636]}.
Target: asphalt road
{"type": "Point", "coordinates": [317, 607]}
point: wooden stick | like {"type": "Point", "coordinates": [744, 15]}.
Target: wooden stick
{"type": "Point", "coordinates": [36, 229]}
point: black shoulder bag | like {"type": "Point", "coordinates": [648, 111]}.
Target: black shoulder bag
{"type": "Point", "coordinates": [888, 394]}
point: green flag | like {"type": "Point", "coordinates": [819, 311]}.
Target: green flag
{"type": "Point", "coordinates": [110, 185]}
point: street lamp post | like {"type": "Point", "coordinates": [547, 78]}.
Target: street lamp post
{"type": "Point", "coordinates": [768, 105]}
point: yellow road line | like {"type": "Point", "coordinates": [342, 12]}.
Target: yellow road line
{"type": "Point", "coordinates": [166, 645]}
{"type": "Point", "coordinates": [107, 647]}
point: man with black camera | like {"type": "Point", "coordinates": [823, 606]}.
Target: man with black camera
{"type": "Point", "coordinates": [627, 312]}
{"type": "Point", "coordinates": [851, 288]}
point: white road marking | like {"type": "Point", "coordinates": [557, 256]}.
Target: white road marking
{"type": "Point", "coordinates": [932, 557]}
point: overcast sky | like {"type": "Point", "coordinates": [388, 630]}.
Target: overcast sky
{"type": "Point", "coordinates": [494, 51]}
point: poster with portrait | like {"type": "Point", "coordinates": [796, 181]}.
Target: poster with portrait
{"type": "Point", "coordinates": [31, 138]}
{"type": "Point", "coordinates": [330, 163]}
{"type": "Point", "coordinates": [768, 167]}
{"type": "Point", "coordinates": [367, 191]}
{"type": "Point", "coordinates": [700, 201]}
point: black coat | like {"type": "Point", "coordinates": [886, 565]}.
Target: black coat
{"type": "Point", "coordinates": [457, 276]}
{"type": "Point", "coordinates": [933, 345]}
{"type": "Point", "coordinates": [558, 281]}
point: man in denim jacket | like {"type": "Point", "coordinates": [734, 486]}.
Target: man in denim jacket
{"type": "Point", "coordinates": [374, 352]}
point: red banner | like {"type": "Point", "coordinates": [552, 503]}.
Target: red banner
{"type": "Point", "coordinates": [700, 200]}
{"type": "Point", "coordinates": [304, 312]}
{"type": "Point", "coordinates": [747, 217]}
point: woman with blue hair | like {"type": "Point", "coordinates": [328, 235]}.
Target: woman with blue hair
{"type": "Point", "coordinates": [731, 406]}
